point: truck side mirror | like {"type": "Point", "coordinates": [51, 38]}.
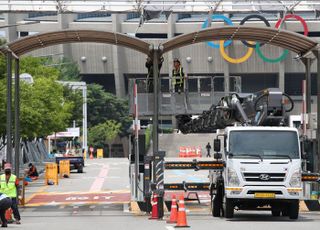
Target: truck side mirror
{"type": "Point", "coordinates": [217, 145]}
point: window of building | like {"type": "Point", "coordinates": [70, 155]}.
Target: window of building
{"type": "Point", "coordinates": [293, 83]}
{"type": "Point", "coordinates": [94, 16]}
{"type": "Point", "coordinates": [251, 83]}
{"type": "Point", "coordinates": [106, 80]}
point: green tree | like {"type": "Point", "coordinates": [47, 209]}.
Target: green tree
{"type": "Point", "coordinates": [103, 106]}
{"type": "Point", "coordinates": [104, 134]}
{"type": "Point", "coordinates": [44, 107]}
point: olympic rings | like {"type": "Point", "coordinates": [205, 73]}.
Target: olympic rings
{"type": "Point", "coordinates": [234, 60]}
{"type": "Point", "coordinates": [249, 17]}
{"type": "Point", "coordinates": [270, 60]}
{"type": "Point", "coordinates": [285, 52]}
{"type": "Point", "coordinates": [297, 17]}
{"type": "Point", "coordinates": [224, 18]}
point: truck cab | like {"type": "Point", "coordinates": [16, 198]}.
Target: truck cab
{"type": "Point", "coordinates": [262, 171]}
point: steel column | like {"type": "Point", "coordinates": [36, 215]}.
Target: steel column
{"type": "Point", "coordinates": [308, 82]}
{"type": "Point", "coordinates": [17, 118]}
{"type": "Point", "coordinates": [9, 107]}
{"type": "Point", "coordinates": [155, 141]}
{"type": "Point", "coordinates": [318, 107]}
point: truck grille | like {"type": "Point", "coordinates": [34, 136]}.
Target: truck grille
{"type": "Point", "coordinates": [264, 177]}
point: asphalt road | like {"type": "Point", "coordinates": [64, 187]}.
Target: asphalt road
{"type": "Point", "coordinates": [98, 199]}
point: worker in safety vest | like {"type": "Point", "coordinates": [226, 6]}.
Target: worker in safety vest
{"type": "Point", "coordinates": [8, 186]}
{"type": "Point", "coordinates": [178, 76]}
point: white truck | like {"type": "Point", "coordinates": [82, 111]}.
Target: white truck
{"type": "Point", "coordinates": [262, 171]}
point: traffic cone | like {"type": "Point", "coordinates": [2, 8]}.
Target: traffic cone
{"type": "Point", "coordinates": [182, 217]}
{"type": "Point", "coordinates": [174, 210]}
{"type": "Point", "coordinates": [8, 215]}
{"type": "Point", "coordinates": [154, 212]}
{"type": "Point", "coordinates": [91, 155]}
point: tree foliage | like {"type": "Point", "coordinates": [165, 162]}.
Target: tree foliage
{"type": "Point", "coordinates": [104, 133]}
{"type": "Point", "coordinates": [44, 106]}
{"type": "Point", "coordinates": [103, 106]}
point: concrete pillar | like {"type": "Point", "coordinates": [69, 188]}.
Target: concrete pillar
{"type": "Point", "coordinates": [226, 69]}
{"type": "Point", "coordinates": [64, 21]}
{"type": "Point", "coordinates": [11, 31]}
{"type": "Point", "coordinates": [281, 76]}
{"type": "Point", "coordinates": [172, 54]}
{"type": "Point", "coordinates": [117, 19]}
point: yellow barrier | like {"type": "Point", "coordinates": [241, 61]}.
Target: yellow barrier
{"type": "Point", "coordinates": [64, 168]}
{"type": "Point", "coordinates": [99, 153]}
{"type": "Point", "coordinates": [51, 173]}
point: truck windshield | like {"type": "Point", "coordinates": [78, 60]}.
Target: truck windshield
{"type": "Point", "coordinates": [267, 144]}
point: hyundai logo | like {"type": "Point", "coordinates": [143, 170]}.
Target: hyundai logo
{"type": "Point", "coordinates": [264, 177]}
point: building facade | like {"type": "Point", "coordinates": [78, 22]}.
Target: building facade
{"type": "Point", "coordinates": [112, 66]}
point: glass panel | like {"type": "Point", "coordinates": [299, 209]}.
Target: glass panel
{"type": "Point", "coordinates": [193, 85]}
{"type": "Point", "coordinates": [205, 84]}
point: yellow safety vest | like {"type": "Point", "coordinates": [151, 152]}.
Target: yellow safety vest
{"type": "Point", "coordinates": [9, 188]}
{"type": "Point", "coordinates": [175, 74]}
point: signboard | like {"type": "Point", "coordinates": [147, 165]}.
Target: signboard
{"type": "Point", "coordinates": [71, 132]}
{"type": "Point", "coordinates": [91, 149]}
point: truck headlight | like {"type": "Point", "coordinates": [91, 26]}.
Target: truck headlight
{"type": "Point", "coordinates": [295, 180]}
{"type": "Point", "coordinates": [233, 179]}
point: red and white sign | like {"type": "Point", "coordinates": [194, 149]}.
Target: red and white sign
{"type": "Point", "coordinates": [66, 198]}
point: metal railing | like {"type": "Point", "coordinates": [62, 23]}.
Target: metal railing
{"type": "Point", "coordinates": [200, 93]}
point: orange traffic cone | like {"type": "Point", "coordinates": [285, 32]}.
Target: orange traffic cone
{"type": "Point", "coordinates": [154, 211]}
{"type": "Point", "coordinates": [174, 210]}
{"type": "Point", "coordinates": [8, 215]}
{"type": "Point", "coordinates": [91, 155]}
{"type": "Point", "coordinates": [182, 217]}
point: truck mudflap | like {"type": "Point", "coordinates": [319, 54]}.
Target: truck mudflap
{"type": "Point", "coordinates": [311, 177]}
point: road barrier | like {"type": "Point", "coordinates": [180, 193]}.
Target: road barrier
{"type": "Point", "coordinates": [190, 151]}
{"type": "Point", "coordinates": [99, 153]}
{"type": "Point", "coordinates": [64, 168]}
{"type": "Point", "coordinates": [51, 174]}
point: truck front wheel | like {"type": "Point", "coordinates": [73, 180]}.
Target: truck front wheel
{"type": "Point", "coordinates": [294, 210]}
{"type": "Point", "coordinates": [228, 208]}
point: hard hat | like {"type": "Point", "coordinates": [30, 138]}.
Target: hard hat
{"type": "Point", "coordinates": [7, 166]}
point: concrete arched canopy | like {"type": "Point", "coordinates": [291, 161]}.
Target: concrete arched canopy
{"type": "Point", "coordinates": [292, 41]}
{"type": "Point", "coordinates": [38, 41]}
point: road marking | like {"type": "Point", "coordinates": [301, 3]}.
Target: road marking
{"type": "Point", "coordinates": [99, 181]}
{"type": "Point", "coordinates": [170, 227]}
{"type": "Point", "coordinates": [79, 199]}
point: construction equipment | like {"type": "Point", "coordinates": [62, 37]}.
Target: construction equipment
{"type": "Point", "coordinates": [261, 155]}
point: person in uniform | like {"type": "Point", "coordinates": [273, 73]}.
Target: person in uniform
{"type": "Point", "coordinates": [8, 186]}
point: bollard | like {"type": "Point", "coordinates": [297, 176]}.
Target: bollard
{"type": "Point", "coordinates": [64, 168]}
{"type": "Point", "coordinates": [51, 173]}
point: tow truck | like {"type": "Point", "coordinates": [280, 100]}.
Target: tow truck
{"type": "Point", "coordinates": [261, 155]}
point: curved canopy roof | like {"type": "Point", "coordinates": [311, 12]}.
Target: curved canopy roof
{"type": "Point", "coordinates": [295, 42]}
{"type": "Point", "coordinates": [38, 41]}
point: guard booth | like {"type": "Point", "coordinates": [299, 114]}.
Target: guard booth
{"type": "Point", "coordinates": [201, 92]}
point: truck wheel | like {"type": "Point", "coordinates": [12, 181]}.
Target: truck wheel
{"type": "Point", "coordinates": [275, 212]}
{"type": "Point", "coordinates": [216, 207]}
{"type": "Point", "coordinates": [285, 212]}
{"type": "Point", "coordinates": [228, 208]}
{"type": "Point", "coordinates": [294, 210]}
